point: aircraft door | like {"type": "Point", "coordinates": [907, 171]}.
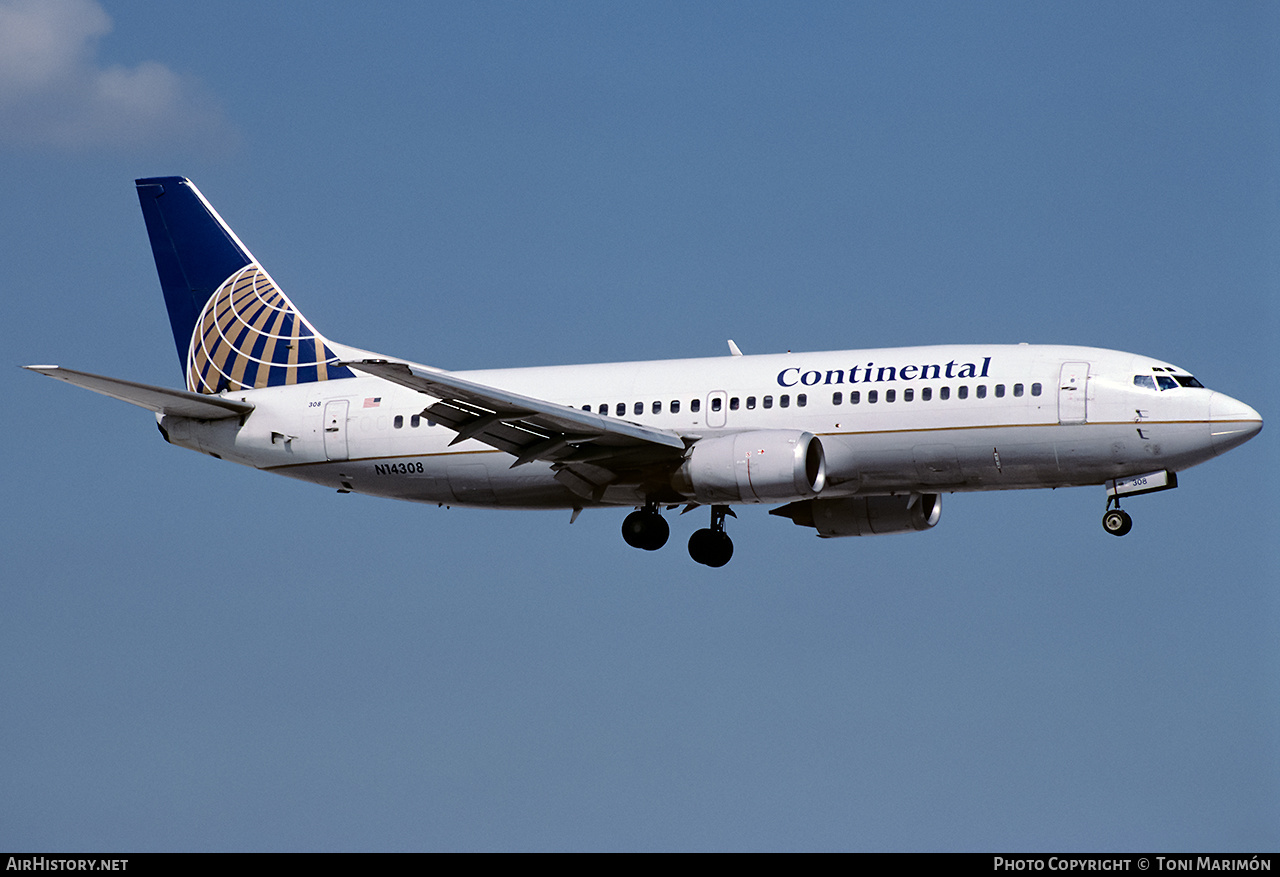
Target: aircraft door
{"type": "Point", "coordinates": [1073, 385]}
{"type": "Point", "coordinates": [717, 408]}
{"type": "Point", "coordinates": [335, 429]}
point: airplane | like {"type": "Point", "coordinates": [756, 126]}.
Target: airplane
{"type": "Point", "coordinates": [848, 443]}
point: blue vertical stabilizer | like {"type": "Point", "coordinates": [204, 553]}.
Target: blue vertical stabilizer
{"type": "Point", "coordinates": [234, 329]}
{"type": "Point", "coordinates": [194, 250]}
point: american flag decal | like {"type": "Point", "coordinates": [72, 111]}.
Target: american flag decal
{"type": "Point", "coordinates": [373, 402]}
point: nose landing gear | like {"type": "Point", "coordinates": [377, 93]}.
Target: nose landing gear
{"type": "Point", "coordinates": [712, 546]}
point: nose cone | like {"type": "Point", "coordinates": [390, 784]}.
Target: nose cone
{"type": "Point", "coordinates": [1231, 423]}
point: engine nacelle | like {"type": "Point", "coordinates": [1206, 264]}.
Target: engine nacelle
{"type": "Point", "coordinates": [766, 465]}
{"type": "Point", "coordinates": [865, 515]}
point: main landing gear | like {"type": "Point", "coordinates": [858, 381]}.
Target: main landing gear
{"type": "Point", "coordinates": [1115, 521]}
{"type": "Point", "coordinates": [712, 546]}
{"type": "Point", "coordinates": [646, 528]}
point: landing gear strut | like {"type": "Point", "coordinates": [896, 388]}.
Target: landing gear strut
{"type": "Point", "coordinates": [712, 546]}
{"type": "Point", "coordinates": [1115, 521]}
{"type": "Point", "coordinates": [646, 528]}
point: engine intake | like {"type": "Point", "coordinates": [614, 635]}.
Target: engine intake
{"type": "Point", "coordinates": [766, 465]}
{"type": "Point", "coordinates": [865, 515]}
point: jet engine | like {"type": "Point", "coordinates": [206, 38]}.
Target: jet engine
{"type": "Point", "coordinates": [865, 515]}
{"type": "Point", "coordinates": [766, 465]}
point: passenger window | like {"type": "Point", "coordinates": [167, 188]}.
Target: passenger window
{"type": "Point", "coordinates": [638, 408]}
{"type": "Point", "coordinates": [999, 391]}
{"type": "Point", "coordinates": [784, 401]}
{"type": "Point", "coordinates": [802, 400]}
{"type": "Point", "coordinates": [872, 397]}
{"type": "Point", "coordinates": [1017, 389]}
{"type": "Point", "coordinates": [963, 392]}
{"type": "Point", "coordinates": [890, 395]}
{"type": "Point", "coordinates": [1035, 389]}
{"type": "Point", "coordinates": [415, 421]}
{"type": "Point", "coordinates": [715, 404]}
{"type": "Point", "coordinates": [768, 401]}
{"type": "Point", "coordinates": [944, 393]}
{"type": "Point", "coordinates": [604, 408]}
{"type": "Point", "coordinates": [837, 398]}
{"type": "Point", "coordinates": [908, 395]}
{"type": "Point", "coordinates": [982, 391]}
{"type": "Point", "coordinates": [675, 406]}
{"type": "Point", "coordinates": [733, 404]}
{"type": "Point", "coordinates": [751, 402]}
{"type": "Point", "coordinates": [926, 393]}
{"type": "Point", "coordinates": [657, 407]}
{"type": "Point", "coordinates": [695, 405]}
{"type": "Point", "coordinates": [621, 409]}
{"type": "Point", "coordinates": [399, 421]}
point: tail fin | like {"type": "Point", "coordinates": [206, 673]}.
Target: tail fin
{"type": "Point", "coordinates": [234, 328]}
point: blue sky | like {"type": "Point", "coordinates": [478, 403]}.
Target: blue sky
{"type": "Point", "coordinates": [200, 657]}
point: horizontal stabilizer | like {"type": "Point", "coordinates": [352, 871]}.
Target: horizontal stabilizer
{"type": "Point", "coordinates": [159, 399]}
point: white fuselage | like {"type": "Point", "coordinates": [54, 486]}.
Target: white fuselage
{"type": "Point", "coordinates": [925, 420]}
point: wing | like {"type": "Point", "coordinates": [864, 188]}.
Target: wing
{"type": "Point", "coordinates": [162, 400]}
{"type": "Point", "coordinates": [589, 452]}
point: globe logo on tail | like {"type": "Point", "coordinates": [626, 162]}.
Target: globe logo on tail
{"type": "Point", "coordinates": [249, 335]}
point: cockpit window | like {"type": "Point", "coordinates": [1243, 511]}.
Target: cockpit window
{"type": "Point", "coordinates": [1165, 382]}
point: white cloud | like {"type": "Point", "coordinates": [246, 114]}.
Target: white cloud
{"type": "Point", "coordinates": [55, 91]}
